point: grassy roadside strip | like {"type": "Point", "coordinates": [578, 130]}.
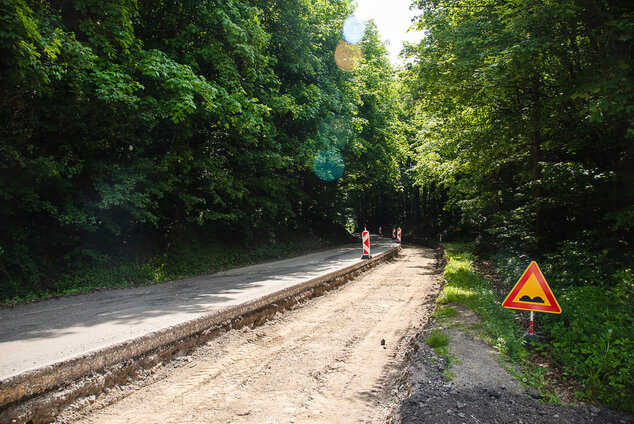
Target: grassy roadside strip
{"type": "Point", "coordinates": [439, 341]}
{"type": "Point", "coordinates": [590, 342]}
{"type": "Point", "coordinates": [463, 285]}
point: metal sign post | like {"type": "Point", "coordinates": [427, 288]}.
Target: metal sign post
{"type": "Point", "coordinates": [531, 332]}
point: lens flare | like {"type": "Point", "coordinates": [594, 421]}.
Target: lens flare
{"type": "Point", "coordinates": [353, 29]}
{"type": "Point", "coordinates": [334, 132]}
{"type": "Point", "coordinates": [347, 56]}
{"type": "Point", "coordinates": [328, 165]}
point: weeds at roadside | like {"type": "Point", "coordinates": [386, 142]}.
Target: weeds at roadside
{"type": "Point", "coordinates": [498, 326]}
{"type": "Point", "coordinates": [532, 376]}
{"type": "Point", "coordinates": [476, 330]}
{"type": "Point", "coordinates": [466, 287]}
{"type": "Point", "coordinates": [594, 352]}
{"type": "Point", "coordinates": [178, 262]}
{"type": "Point", "coordinates": [445, 312]}
{"type": "Point", "coordinates": [439, 342]}
{"type": "Point", "coordinates": [591, 340]}
{"type": "Point", "coordinates": [448, 373]}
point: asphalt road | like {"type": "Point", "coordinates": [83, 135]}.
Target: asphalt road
{"type": "Point", "coordinates": [43, 333]}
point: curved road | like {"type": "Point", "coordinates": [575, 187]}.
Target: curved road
{"type": "Point", "coordinates": [43, 333]}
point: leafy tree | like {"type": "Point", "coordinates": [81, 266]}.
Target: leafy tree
{"type": "Point", "coordinates": [131, 124]}
{"type": "Point", "coordinates": [524, 118]}
{"type": "Point", "coordinates": [377, 153]}
{"type": "Point", "coordinates": [527, 117]}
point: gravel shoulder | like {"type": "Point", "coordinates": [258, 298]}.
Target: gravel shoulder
{"type": "Point", "coordinates": [474, 386]}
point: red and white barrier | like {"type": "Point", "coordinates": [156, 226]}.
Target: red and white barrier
{"type": "Point", "coordinates": [394, 232]}
{"type": "Point", "coordinates": [398, 235]}
{"type": "Point", "coordinates": [366, 244]}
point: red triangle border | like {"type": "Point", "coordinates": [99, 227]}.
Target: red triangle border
{"type": "Point", "coordinates": [533, 269]}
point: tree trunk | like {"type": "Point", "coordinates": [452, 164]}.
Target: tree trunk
{"type": "Point", "coordinates": [536, 157]}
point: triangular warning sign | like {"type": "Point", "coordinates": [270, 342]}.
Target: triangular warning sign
{"type": "Point", "coordinates": [531, 293]}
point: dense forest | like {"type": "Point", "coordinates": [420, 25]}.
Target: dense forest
{"type": "Point", "coordinates": [524, 126]}
{"type": "Point", "coordinates": [135, 128]}
{"type": "Point", "coordinates": [130, 125]}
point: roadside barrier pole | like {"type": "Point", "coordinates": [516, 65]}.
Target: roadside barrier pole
{"type": "Point", "coordinates": [398, 235]}
{"type": "Point", "coordinates": [366, 245]}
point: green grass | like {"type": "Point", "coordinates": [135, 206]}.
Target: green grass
{"type": "Point", "coordinates": [591, 339]}
{"type": "Point", "coordinates": [464, 286]}
{"type": "Point", "coordinates": [439, 341]}
{"type": "Point", "coordinates": [446, 312]}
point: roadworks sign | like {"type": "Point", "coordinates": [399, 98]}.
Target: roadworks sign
{"type": "Point", "coordinates": [366, 242]}
{"type": "Point", "coordinates": [531, 293]}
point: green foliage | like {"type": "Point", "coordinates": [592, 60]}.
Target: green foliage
{"type": "Point", "coordinates": [445, 312]}
{"type": "Point", "coordinates": [523, 118]}
{"type": "Point", "coordinates": [184, 259]}
{"type": "Point", "coordinates": [533, 376]}
{"type": "Point", "coordinates": [439, 341]}
{"type": "Point", "coordinates": [592, 339]}
{"type": "Point", "coordinates": [126, 124]}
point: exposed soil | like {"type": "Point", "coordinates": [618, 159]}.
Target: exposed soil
{"type": "Point", "coordinates": [336, 359]}
{"type": "Point", "coordinates": [475, 387]}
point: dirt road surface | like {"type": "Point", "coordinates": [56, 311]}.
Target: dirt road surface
{"type": "Point", "coordinates": [335, 359]}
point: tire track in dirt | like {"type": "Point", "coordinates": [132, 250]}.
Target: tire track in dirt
{"type": "Point", "coordinates": [322, 362]}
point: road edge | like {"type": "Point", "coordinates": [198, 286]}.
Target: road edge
{"type": "Point", "coordinates": [39, 395]}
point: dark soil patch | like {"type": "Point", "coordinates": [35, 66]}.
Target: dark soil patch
{"type": "Point", "coordinates": [478, 394]}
